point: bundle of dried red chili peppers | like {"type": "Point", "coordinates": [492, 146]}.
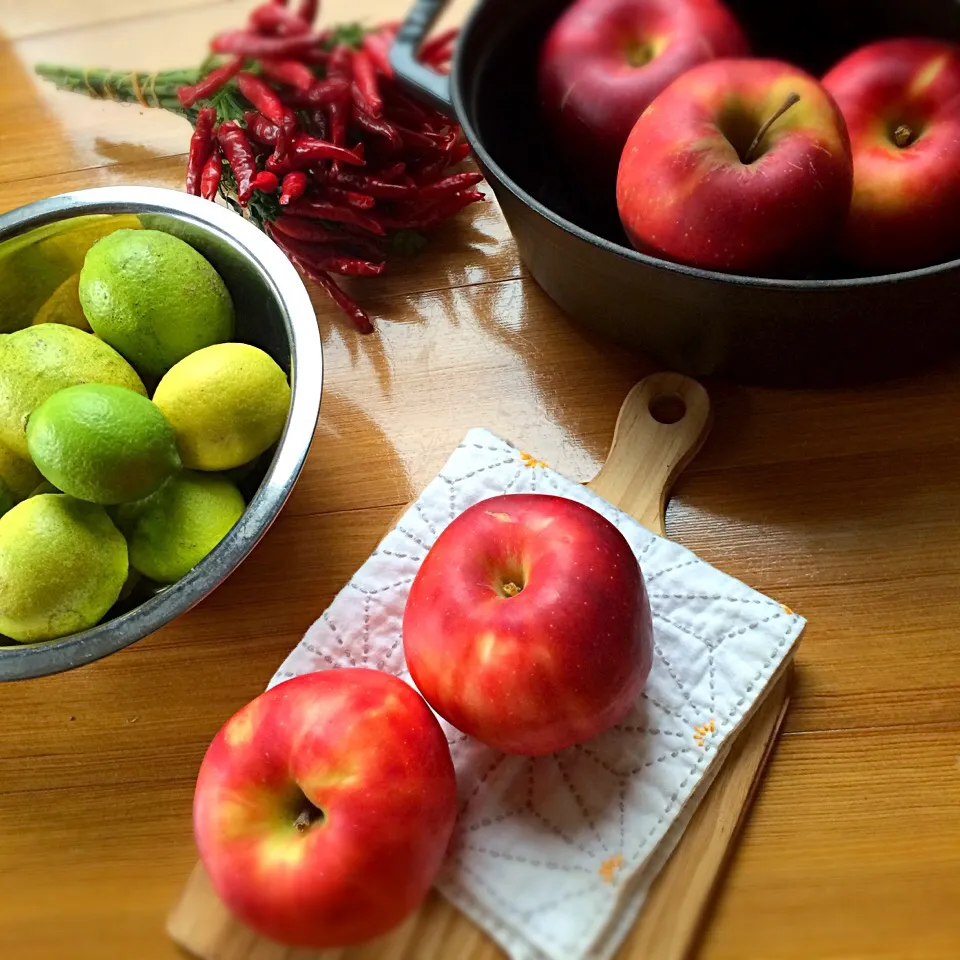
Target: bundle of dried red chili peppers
{"type": "Point", "coordinates": [310, 136]}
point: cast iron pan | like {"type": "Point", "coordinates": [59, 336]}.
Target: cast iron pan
{"type": "Point", "coordinates": [826, 329]}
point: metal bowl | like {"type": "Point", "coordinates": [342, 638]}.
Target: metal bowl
{"type": "Point", "coordinates": [274, 313]}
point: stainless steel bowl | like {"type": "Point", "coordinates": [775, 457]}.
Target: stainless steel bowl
{"type": "Point", "coordinates": [274, 313]}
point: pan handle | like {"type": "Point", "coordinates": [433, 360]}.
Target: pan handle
{"type": "Point", "coordinates": [417, 78]}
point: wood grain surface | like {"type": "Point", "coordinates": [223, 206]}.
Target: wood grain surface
{"type": "Point", "coordinates": [843, 504]}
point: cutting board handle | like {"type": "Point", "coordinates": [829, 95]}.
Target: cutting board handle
{"type": "Point", "coordinates": [662, 424]}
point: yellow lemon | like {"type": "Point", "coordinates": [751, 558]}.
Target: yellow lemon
{"type": "Point", "coordinates": [63, 306]}
{"type": "Point", "coordinates": [62, 566]}
{"type": "Point", "coordinates": [227, 404]}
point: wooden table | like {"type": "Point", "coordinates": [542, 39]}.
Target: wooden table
{"type": "Point", "coordinates": [845, 505]}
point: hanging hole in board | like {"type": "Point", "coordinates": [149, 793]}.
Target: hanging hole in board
{"type": "Point", "coordinates": [667, 409]}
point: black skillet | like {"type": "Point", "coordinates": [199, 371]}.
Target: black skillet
{"type": "Point", "coordinates": [826, 329]}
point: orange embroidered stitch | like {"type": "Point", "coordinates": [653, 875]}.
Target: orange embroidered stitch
{"type": "Point", "coordinates": [786, 609]}
{"type": "Point", "coordinates": [702, 731]}
{"type": "Point", "coordinates": [529, 460]}
{"type": "Point", "coordinates": [610, 867]}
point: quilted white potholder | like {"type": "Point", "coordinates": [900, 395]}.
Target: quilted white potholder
{"type": "Point", "coordinates": [554, 855]}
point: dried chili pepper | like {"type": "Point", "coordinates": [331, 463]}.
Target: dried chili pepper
{"type": "Point", "coordinates": [351, 266]}
{"type": "Point", "coordinates": [212, 172]}
{"type": "Point", "coordinates": [326, 91]}
{"type": "Point", "coordinates": [329, 260]}
{"type": "Point", "coordinates": [289, 72]}
{"type": "Point", "coordinates": [322, 210]}
{"type": "Point", "coordinates": [210, 84]}
{"type": "Point", "coordinates": [459, 153]}
{"type": "Point", "coordinates": [251, 45]}
{"type": "Point", "coordinates": [306, 150]}
{"type": "Point", "coordinates": [260, 128]}
{"type": "Point", "coordinates": [400, 101]}
{"type": "Point", "coordinates": [430, 217]}
{"type": "Point", "coordinates": [201, 143]}
{"type": "Point", "coordinates": [448, 185]}
{"type": "Point", "coordinates": [279, 162]}
{"type": "Point", "coordinates": [343, 301]}
{"type": "Point", "coordinates": [275, 18]}
{"type": "Point", "coordinates": [438, 48]}
{"type": "Point", "coordinates": [361, 201]}
{"type": "Point", "coordinates": [373, 186]}
{"type": "Point", "coordinates": [315, 56]}
{"type": "Point", "coordinates": [243, 162]}
{"type": "Point", "coordinates": [293, 186]}
{"type": "Point", "coordinates": [307, 11]}
{"type": "Point", "coordinates": [419, 141]}
{"type": "Point", "coordinates": [365, 88]}
{"type": "Point", "coordinates": [312, 232]}
{"type": "Point", "coordinates": [377, 126]}
{"type": "Point", "coordinates": [451, 205]}
{"type": "Point", "coordinates": [266, 182]}
{"type": "Point", "coordinates": [262, 97]}
{"type": "Point", "coordinates": [340, 64]}
{"type": "Point", "coordinates": [308, 230]}
{"type": "Point", "coordinates": [347, 304]}
{"type": "Point", "coordinates": [337, 115]}
{"type": "Point", "coordinates": [377, 47]}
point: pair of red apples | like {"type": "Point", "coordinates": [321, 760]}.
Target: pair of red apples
{"type": "Point", "coordinates": [324, 808]}
{"type": "Point", "coordinates": [752, 166]}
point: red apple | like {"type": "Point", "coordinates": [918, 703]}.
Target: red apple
{"type": "Point", "coordinates": [605, 60]}
{"type": "Point", "coordinates": [739, 165]}
{"type": "Point", "coordinates": [901, 101]}
{"type": "Point", "coordinates": [528, 625]}
{"type": "Point", "coordinates": [323, 808]}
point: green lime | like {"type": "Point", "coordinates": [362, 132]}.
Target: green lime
{"type": "Point", "coordinates": [36, 362]}
{"type": "Point", "coordinates": [102, 443]}
{"type": "Point", "coordinates": [227, 404]}
{"type": "Point", "coordinates": [153, 298]}
{"type": "Point", "coordinates": [18, 474]}
{"type": "Point", "coordinates": [172, 530]}
{"type": "Point", "coordinates": [62, 566]}
{"type": "Point", "coordinates": [63, 306]}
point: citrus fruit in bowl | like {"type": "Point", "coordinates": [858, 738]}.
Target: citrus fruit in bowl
{"type": "Point", "coordinates": [123, 504]}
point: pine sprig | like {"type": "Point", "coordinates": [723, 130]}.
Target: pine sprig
{"type": "Point", "coordinates": [147, 89]}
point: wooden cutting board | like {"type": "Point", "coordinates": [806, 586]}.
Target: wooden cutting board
{"type": "Point", "coordinates": [645, 458]}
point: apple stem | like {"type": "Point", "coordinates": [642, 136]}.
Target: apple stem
{"type": "Point", "coordinates": [793, 98]}
{"type": "Point", "coordinates": [903, 136]}
{"type": "Point", "coordinates": [304, 821]}
{"type": "Point", "coordinates": [511, 589]}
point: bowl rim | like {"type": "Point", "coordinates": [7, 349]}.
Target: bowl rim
{"type": "Point", "coordinates": [465, 118]}
{"type": "Point", "coordinates": [25, 661]}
